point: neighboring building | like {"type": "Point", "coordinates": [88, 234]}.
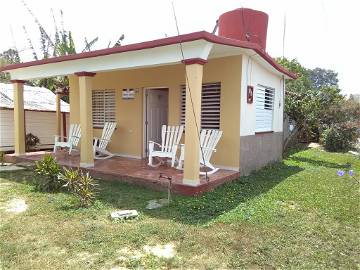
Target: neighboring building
{"type": "Point", "coordinates": [235, 86]}
{"type": "Point", "coordinates": [40, 119]}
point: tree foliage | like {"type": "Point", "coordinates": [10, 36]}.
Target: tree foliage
{"type": "Point", "coordinates": [321, 77]}
{"type": "Point", "coordinates": [310, 97]}
{"type": "Point", "coordinates": [10, 56]}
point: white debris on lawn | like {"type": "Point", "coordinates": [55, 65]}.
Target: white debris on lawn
{"type": "Point", "coordinates": [162, 251]}
{"type": "Point", "coordinates": [9, 168]}
{"type": "Point", "coordinates": [16, 206]}
{"type": "Point", "coordinates": [154, 204]}
{"type": "Point", "coordinates": [124, 214]}
{"type": "Point", "coordinates": [354, 153]}
{"type": "Point", "coordinates": [314, 145]}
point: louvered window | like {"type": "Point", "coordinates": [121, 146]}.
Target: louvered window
{"type": "Point", "coordinates": [210, 105]}
{"type": "Point", "coordinates": [264, 108]}
{"type": "Point", "coordinates": [103, 106]}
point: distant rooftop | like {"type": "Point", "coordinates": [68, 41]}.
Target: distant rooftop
{"type": "Point", "coordinates": [35, 98]}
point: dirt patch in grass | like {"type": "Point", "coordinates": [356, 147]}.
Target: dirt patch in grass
{"type": "Point", "coordinates": [16, 206]}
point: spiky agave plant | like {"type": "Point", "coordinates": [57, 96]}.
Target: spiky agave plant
{"type": "Point", "coordinates": [70, 178]}
{"type": "Point", "coordinates": [86, 189]}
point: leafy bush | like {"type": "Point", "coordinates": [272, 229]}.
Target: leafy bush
{"type": "Point", "coordinates": [339, 137]}
{"type": "Point", "coordinates": [48, 170]}
{"type": "Point", "coordinates": [31, 141]}
{"type": "Point", "coordinates": [80, 184]}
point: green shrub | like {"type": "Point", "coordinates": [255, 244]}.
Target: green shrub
{"type": "Point", "coordinates": [48, 170]}
{"type": "Point", "coordinates": [339, 137]}
{"type": "Point", "coordinates": [80, 184]}
{"type": "Point", "coordinates": [31, 141]}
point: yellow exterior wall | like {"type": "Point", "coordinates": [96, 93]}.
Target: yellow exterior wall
{"type": "Point", "coordinates": [74, 100]}
{"type": "Point", "coordinates": [128, 137]}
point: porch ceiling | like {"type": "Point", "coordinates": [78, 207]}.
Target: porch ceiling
{"type": "Point", "coordinates": [153, 53]}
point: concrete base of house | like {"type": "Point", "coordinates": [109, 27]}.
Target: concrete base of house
{"type": "Point", "coordinates": [256, 151]}
{"type": "Point", "coordinates": [191, 183]}
{"type": "Point", "coordinates": [86, 165]}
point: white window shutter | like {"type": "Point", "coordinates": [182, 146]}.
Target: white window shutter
{"type": "Point", "coordinates": [210, 105]}
{"type": "Point", "coordinates": [264, 108]}
{"type": "Point", "coordinates": [103, 107]}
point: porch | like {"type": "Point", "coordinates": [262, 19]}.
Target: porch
{"type": "Point", "coordinates": [134, 171]}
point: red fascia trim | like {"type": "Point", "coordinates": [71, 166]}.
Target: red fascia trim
{"type": "Point", "coordinates": [85, 74]}
{"type": "Point", "coordinates": [191, 61]}
{"type": "Point", "coordinates": [17, 81]}
{"type": "Point", "coordinates": [158, 43]}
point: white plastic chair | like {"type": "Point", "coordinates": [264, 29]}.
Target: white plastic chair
{"type": "Point", "coordinates": [100, 145]}
{"type": "Point", "coordinates": [209, 138]}
{"type": "Point", "coordinates": [170, 139]}
{"type": "Point", "coordinates": [72, 140]}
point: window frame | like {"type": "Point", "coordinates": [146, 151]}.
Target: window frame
{"type": "Point", "coordinates": [108, 111]}
{"type": "Point", "coordinates": [213, 118]}
{"type": "Point", "coordinates": [264, 108]}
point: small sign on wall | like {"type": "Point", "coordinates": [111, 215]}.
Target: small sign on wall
{"type": "Point", "coordinates": [128, 93]}
{"type": "Point", "coordinates": [250, 94]}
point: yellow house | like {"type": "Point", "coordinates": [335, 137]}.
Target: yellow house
{"type": "Point", "coordinates": [144, 85]}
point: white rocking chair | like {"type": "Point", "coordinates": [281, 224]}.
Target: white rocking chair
{"type": "Point", "coordinates": [72, 140]}
{"type": "Point", "coordinates": [100, 145]}
{"type": "Point", "coordinates": [170, 139]}
{"type": "Point", "coordinates": [208, 141]}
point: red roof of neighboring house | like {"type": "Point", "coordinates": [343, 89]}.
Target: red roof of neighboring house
{"type": "Point", "coordinates": [158, 43]}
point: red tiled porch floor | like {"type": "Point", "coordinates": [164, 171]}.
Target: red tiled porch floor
{"type": "Point", "coordinates": [135, 171]}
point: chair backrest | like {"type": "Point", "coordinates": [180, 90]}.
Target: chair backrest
{"type": "Point", "coordinates": [208, 141]}
{"type": "Point", "coordinates": [107, 132]}
{"type": "Point", "coordinates": [74, 134]}
{"type": "Point", "coordinates": [170, 136]}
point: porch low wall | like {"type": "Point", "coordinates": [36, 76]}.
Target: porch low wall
{"type": "Point", "coordinates": [258, 150]}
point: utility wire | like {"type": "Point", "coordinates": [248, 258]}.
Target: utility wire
{"type": "Point", "coordinates": [187, 79]}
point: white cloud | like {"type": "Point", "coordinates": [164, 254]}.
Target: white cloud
{"type": "Point", "coordinates": [319, 33]}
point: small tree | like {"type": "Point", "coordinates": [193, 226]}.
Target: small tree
{"type": "Point", "coordinates": [10, 56]}
{"type": "Point", "coordinates": [309, 97]}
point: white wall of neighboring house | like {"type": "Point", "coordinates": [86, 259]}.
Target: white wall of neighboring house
{"type": "Point", "coordinates": [40, 123]}
{"type": "Point", "coordinates": [40, 115]}
{"type": "Point", "coordinates": [254, 74]}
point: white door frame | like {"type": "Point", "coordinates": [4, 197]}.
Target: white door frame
{"type": "Point", "coordinates": [145, 143]}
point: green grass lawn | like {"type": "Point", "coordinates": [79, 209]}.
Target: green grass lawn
{"type": "Point", "coordinates": [294, 214]}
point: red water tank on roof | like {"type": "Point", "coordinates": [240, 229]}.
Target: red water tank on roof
{"type": "Point", "coordinates": [244, 24]}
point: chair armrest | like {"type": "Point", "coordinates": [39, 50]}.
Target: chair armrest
{"type": "Point", "coordinates": [60, 136]}
{"type": "Point", "coordinates": [155, 143]}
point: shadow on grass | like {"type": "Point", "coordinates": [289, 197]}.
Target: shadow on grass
{"type": "Point", "coordinates": [209, 206]}
{"type": "Point", "coordinates": [20, 176]}
{"type": "Point", "coordinates": [299, 147]}
{"type": "Point", "coordinates": [322, 163]}
{"type": "Point", "coordinates": [188, 210]}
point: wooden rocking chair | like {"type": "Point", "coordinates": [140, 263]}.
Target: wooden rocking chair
{"type": "Point", "coordinates": [72, 140]}
{"type": "Point", "coordinates": [170, 139]}
{"type": "Point", "coordinates": [100, 145]}
{"type": "Point", "coordinates": [209, 138]}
